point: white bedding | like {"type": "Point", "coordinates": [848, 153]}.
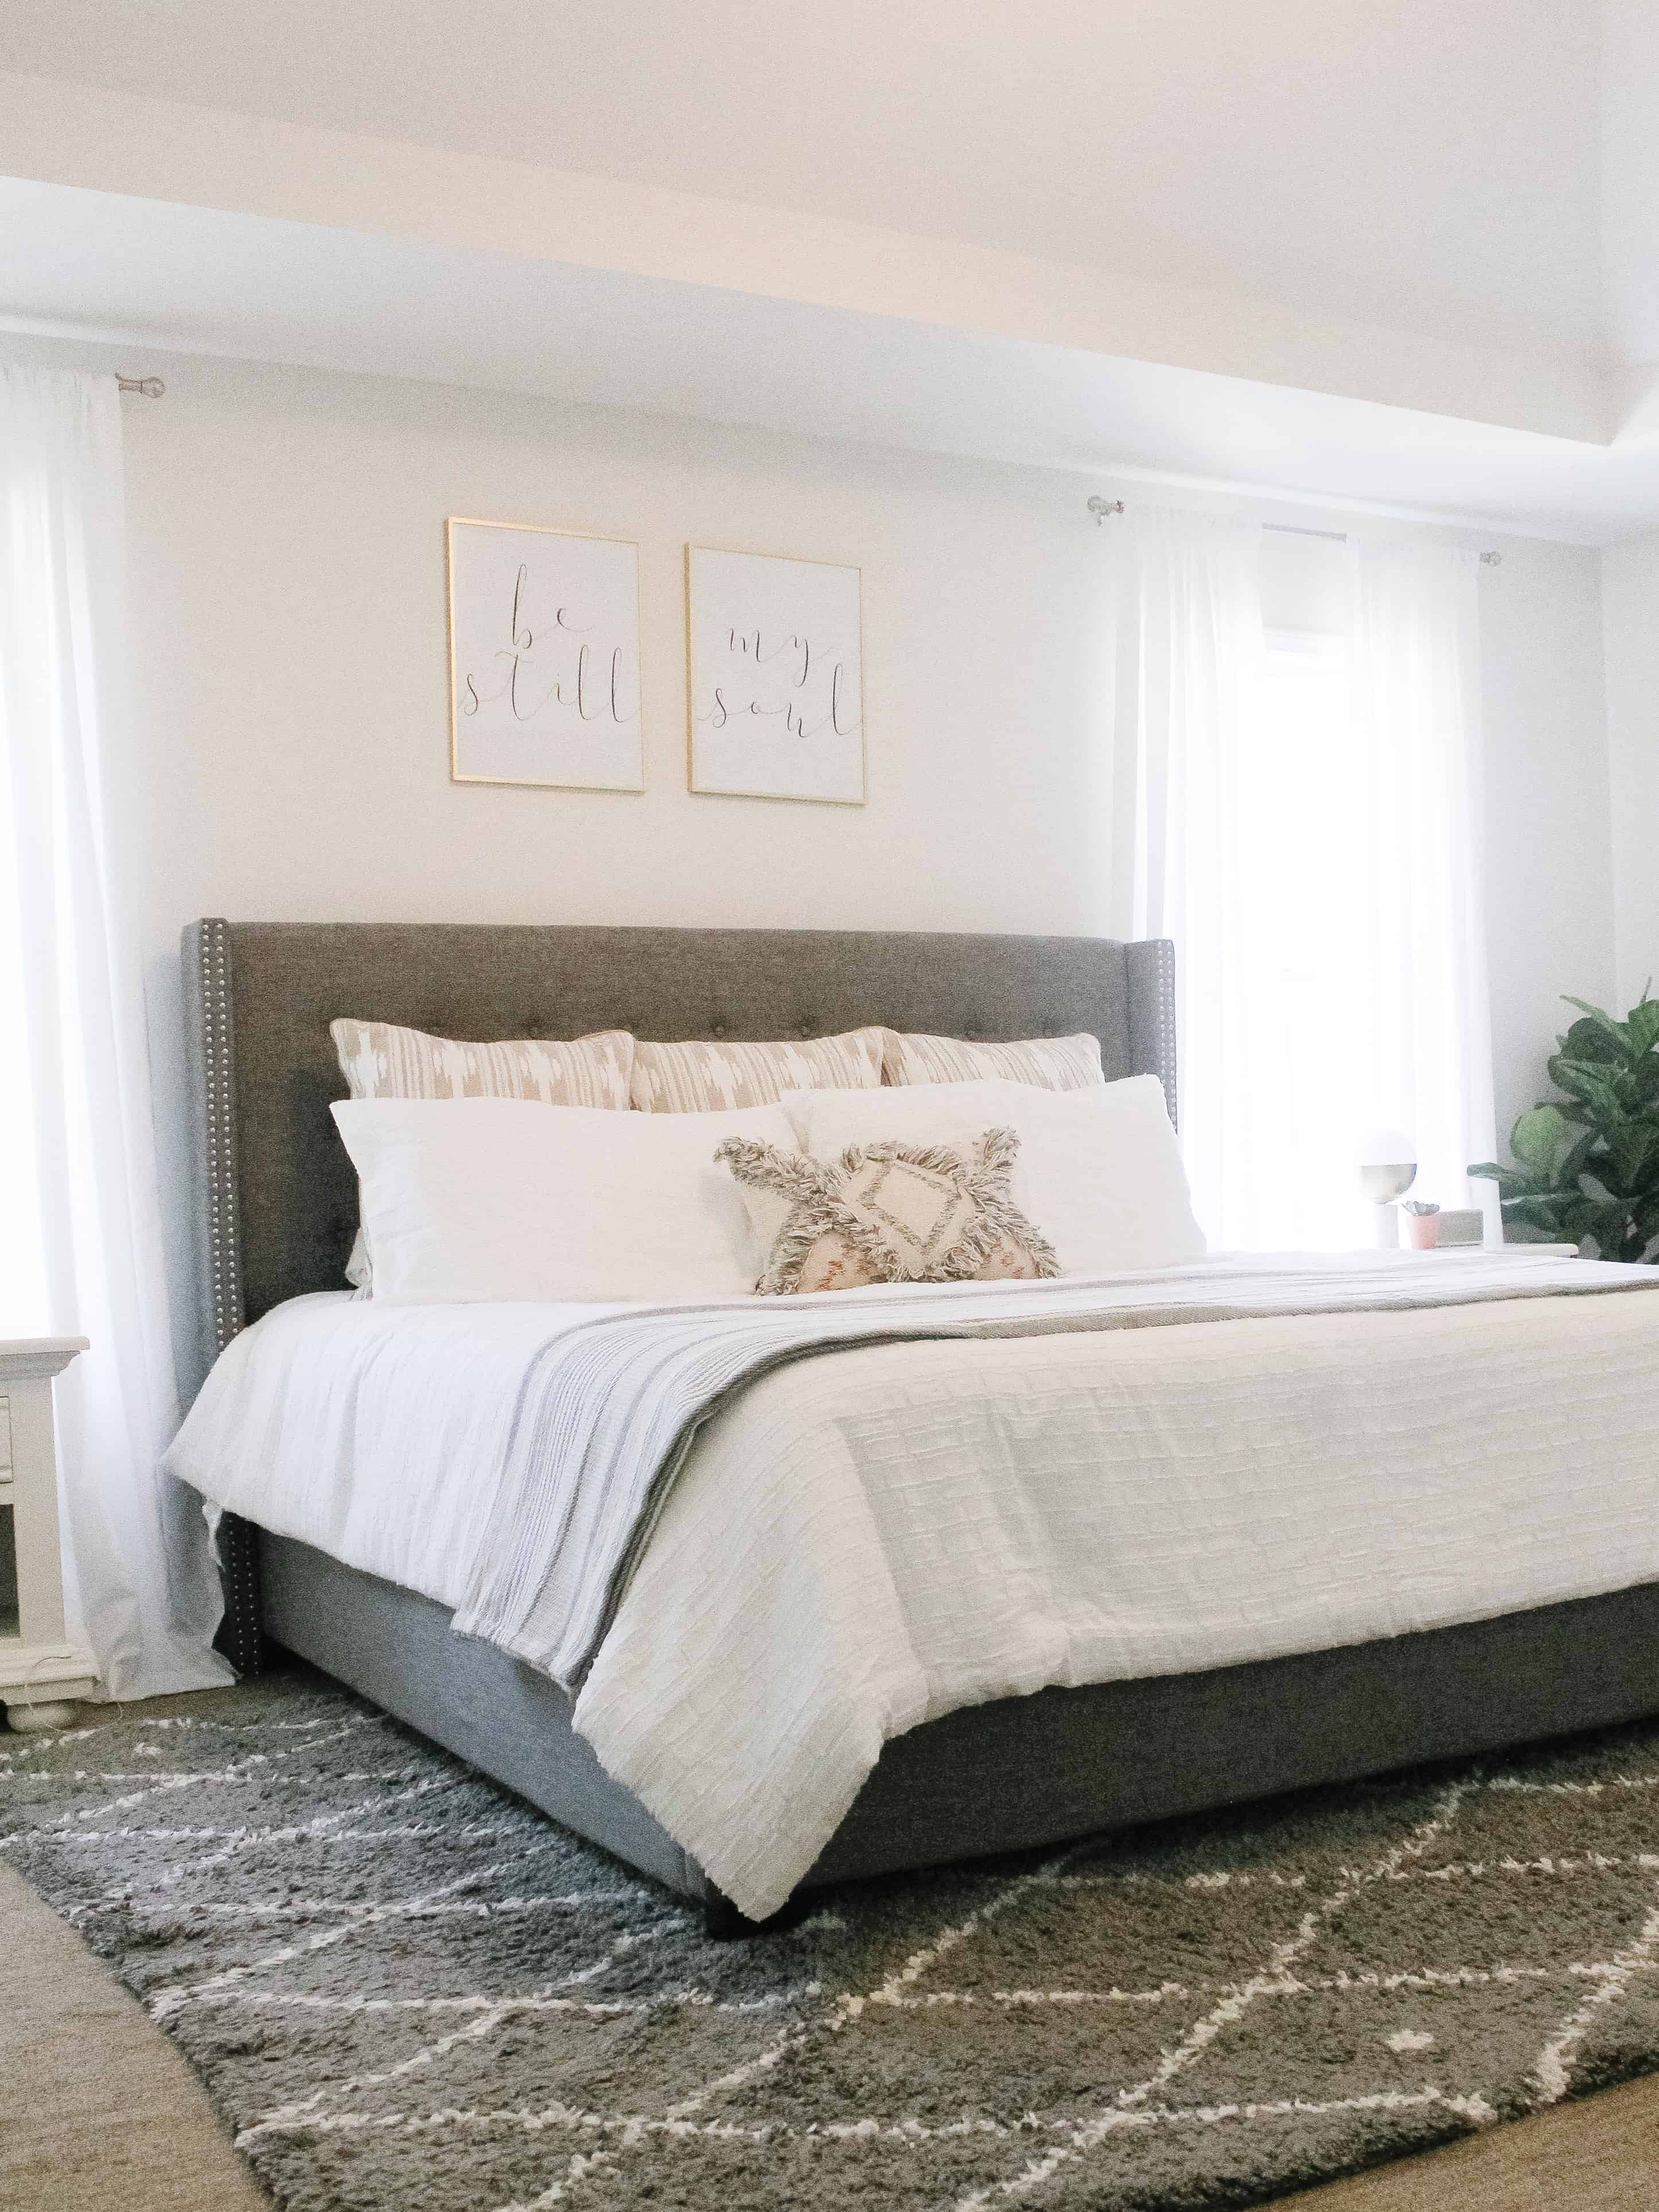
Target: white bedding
{"type": "Point", "coordinates": [375, 1432]}
{"type": "Point", "coordinates": [863, 1541]}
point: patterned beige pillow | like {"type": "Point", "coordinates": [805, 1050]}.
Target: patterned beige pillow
{"type": "Point", "coordinates": [888, 1213]}
{"type": "Point", "coordinates": [381, 1060]}
{"type": "Point", "coordinates": [703, 1078]}
{"type": "Point", "coordinates": [1051, 1063]}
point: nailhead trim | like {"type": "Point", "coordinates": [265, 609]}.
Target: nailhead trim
{"type": "Point", "coordinates": [1167, 1069]}
{"type": "Point", "coordinates": [223, 1224]}
{"type": "Point", "coordinates": [238, 1542]}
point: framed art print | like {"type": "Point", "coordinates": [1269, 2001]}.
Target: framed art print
{"type": "Point", "coordinates": [775, 678]}
{"type": "Point", "coordinates": [544, 658]}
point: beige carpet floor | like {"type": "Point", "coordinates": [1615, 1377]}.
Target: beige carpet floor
{"type": "Point", "coordinates": [98, 2111]}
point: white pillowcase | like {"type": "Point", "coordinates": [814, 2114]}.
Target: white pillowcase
{"type": "Point", "coordinates": [1099, 1172]}
{"type": "Point", "coordinates": [470, 1199]}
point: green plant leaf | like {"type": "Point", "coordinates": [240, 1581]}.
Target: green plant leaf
{"type": "Point", "coordinates": [1537, 1138]}
{"type": "Point", "coordinates": [1600, 1018]}
{"type": "Point", "coordinates": [1596, 1087]}
{"type": "Point", "coordinates": [1589, 1039]}
{"type": "Point", "coordinates": [1630, 1148]}
{"type": "Point", "coordinates": [1585, 1167]}
{"type": "Point", "coordinates": [1574, 1164]}
{"type": "Point", "coordinates": [1545, 1210]}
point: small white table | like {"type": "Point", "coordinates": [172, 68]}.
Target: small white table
{"type": "Point", "coordinates": [40, 1674]}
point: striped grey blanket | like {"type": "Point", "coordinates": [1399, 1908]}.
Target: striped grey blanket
{"type": "Point", "coordinates": [608, 1410]}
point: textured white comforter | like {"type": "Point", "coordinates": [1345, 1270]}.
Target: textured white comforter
{"type": "Point", "coordinates": [863, 1541]}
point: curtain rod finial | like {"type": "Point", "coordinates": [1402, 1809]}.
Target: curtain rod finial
{"type": "Point", "coordinates": [151, 386]}
{"type": "Point", "coordinates": [1100, 508]}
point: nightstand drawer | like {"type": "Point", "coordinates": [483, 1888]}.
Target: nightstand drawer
{"type": "Point", "coordinates": [11, 1625]}
{"type": "Point", "coordinates": [11, 1611]}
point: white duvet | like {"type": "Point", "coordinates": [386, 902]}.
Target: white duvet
{"type": "Point", "coordinates": [865, 1540]}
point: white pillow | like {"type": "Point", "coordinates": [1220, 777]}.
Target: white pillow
{"type": "Point", "coordinates": [467, 1199]}
{"type": "Point", "coordinates": [1099, 1171]}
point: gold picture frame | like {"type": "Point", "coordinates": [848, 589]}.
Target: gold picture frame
{"type": "Point", "coordinates": [481, 595]}
{"type": "Point", "coordinates": [770, 599]}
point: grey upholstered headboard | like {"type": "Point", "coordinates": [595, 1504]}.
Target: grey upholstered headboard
{"type": "Point", "coordinates": [278, 1202]}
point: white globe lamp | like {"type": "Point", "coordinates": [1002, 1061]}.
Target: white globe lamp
{"type": "Point", "coordinates": [1388, 1169]}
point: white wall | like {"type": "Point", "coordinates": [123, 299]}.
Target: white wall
{"type": "Point", "coordinates": [1630, 588]}
{"type": "Point", "coordinates": [287, 576]}
{"type": "Point", "coordinates": [1549, 887]}
{"type": "Point", "coordinates": [286, 533]}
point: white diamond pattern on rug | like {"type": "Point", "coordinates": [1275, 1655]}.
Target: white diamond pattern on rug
{"type": "Point", "coordinates": [405, 1988]}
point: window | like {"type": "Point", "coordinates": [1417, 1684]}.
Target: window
{"type": "Point", "coordinates": [1296, 720]}
{"type": "Point", "coordinates": [1303, 806]}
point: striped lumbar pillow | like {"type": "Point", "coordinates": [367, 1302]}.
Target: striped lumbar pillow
{"type": "Point", "coordinates": [1069, 1063]}
{"type": "Point", "coordinates": [703, 1076]}
{"type": "Point", "coordinates": [380, 1059]}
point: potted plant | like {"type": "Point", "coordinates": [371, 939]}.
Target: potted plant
{"type": "Point", "coordinates": [1422, 1218]}
{"type": "Point", "coordinates": [1587, 1166]}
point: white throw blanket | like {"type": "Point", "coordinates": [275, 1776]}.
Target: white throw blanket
{"type": "Point", "coordinates": [858, 1543]}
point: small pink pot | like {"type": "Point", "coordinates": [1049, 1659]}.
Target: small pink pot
{"type": "Point", "coordinates": [1422, 1231]}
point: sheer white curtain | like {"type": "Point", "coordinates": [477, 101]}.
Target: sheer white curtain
{"type": "Point", "coordinates": [1300, 813]}
{"type": "Point", "coordinates": [1189, 670]}
{"type": "Point", "coordinates": [79, 1228]}
{"type": "Point", "coordinates": [1413, 651]}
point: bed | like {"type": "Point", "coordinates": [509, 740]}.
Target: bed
{"type": "Point", "coordinates": [276, 1216]}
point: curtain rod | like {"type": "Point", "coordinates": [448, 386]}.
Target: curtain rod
{"type": "Point", "coordinates": [1100, 508]}
{"type": "Point", "coordinates": [151, 386]}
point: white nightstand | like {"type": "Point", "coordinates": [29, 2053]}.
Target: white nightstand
{"type": "Point", "coordinates": [40, 1675]}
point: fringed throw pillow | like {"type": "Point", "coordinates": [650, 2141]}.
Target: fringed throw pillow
{"type": "Point", "coordinates": [888, 1213]}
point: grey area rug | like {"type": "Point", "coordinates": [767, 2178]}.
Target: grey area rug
{"type": "Point", "coordinates": [408, 1992]}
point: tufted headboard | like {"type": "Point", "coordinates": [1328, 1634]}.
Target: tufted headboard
{"type": "Point", "coordinates": [278, 1200]}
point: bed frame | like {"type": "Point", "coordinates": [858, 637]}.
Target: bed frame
{"type": "Point", "coordinates": [277, 1214]}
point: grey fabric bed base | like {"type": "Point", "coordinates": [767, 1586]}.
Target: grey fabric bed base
{"type": "Point", "coordinates": [1022, 1770]}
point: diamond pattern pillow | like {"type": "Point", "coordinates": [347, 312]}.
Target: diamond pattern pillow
{"type": "Point", "coordinates": [888, 1213]}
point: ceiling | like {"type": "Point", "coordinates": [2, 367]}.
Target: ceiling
{"type": "Point", "coordinates": [1402, 160]}
{"type": "Point", "coordinates": [1375, 249]}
